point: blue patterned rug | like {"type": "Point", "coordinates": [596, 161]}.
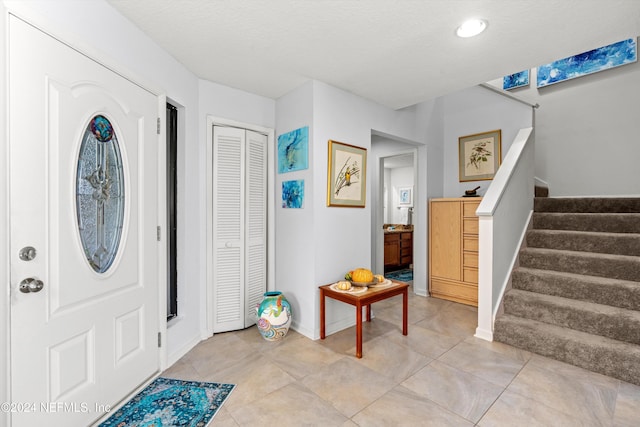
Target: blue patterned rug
{"type": "Point", "coordinates": [167, 402]}
{"type": "Point", "coordinates": [405, 275]}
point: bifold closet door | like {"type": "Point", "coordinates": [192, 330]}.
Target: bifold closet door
{"type": "Point", "coordinates": [239, 226]}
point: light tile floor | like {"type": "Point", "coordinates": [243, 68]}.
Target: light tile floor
{"type": "Point", "coordinates": [438, 375]}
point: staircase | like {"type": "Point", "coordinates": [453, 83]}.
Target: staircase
{"type": "Point", "coordinates": [575, 295]}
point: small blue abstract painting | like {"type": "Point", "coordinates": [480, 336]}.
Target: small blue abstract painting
{"type": "Point", "coordinates": [603, 58]}
{"type": "Point", "coordinates": [293, 194]}
{"type": "Point", "coordinates": [513, 81]}
{"type": "Point", "coordinates": [293, 150]}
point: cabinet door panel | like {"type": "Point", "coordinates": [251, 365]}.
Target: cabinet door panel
{"type": "Point", "coordinates": [391, 249]}
{"type": "Point", "coordinates": [446, 242]}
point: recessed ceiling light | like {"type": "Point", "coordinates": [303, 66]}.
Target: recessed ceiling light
{"type": "Point", "coordinates": [471, 28]}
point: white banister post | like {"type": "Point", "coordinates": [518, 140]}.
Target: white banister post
{"type": "Point", "coordinates": [485, 278]}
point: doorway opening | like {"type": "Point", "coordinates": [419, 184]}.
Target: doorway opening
{"type": "Point", "coordinates": [398, 187]}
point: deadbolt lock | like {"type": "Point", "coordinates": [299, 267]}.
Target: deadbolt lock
{"type": "Point", "coordinates": [28, 253]}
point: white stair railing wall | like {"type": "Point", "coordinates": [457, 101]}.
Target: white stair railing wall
{"type": "Point", "coordinates": [504, 215]}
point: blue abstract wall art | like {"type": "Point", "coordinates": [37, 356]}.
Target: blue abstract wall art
{"type": "Point", "coordinates": [515, 80]}
{"type": "Point", "coordinates": [293, 194]}
{"type": "Point", "coordinates": [603, 58]}
{"type": "Point", "coordinates": [293, 150]}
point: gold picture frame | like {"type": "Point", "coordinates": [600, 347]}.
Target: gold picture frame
{"type": "Point", "coordinates": [346, 175]}
{"type": "Point", "coordinates": [479, 155]}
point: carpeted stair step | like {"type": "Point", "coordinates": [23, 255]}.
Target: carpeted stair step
{"type": "Point", "coordinates": [588, 204]}
{"type": "Point", "coordinates": [599, 290]}
{"type": "Point", "coordinates": [585, 241]}
{"type": "Point", "coordinates": [598, 222]}
{"type": "Point", "coordinates": [611, 322]}
{"type": "Point", "coordinates": [620, 267]}
{"type": "Point", "coordinates": [598, 354]}
{"type": "Point", "coordinates": [540, 191]}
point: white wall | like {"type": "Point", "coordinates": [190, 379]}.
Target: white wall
{"type": "Point", "coordinates": [477, 110]}
{"type": "Point", "coordinates": [4, 229]}
{"type": "Point", "coordinates": [318, 244]}
{"type": "Point", "coordinates": [400, 178]}
{"type": "Point", "coordinates": [587, 133]}
{"type": "Point", "coordinates": [295, 230]}
{"type": "Point", "coordinates": [386, 195]}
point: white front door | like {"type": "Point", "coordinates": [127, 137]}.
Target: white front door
{"type": "Point", "coordinates": [88, 206]}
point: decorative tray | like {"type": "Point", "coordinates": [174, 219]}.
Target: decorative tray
{"type": "Point", "coordinates": [353, 290]}
{"type": "Point", "coordinates": [386, 282]}
{"type": "Point", "coordinates": [365, 284]}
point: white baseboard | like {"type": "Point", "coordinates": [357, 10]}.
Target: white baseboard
{"type": "Point", "coordinates": [178, 354]}
{"type": "Point", "coordinates": [421, 292]}
{"type": "Point", "coordinates": [302, 331]}
{"type": "Point", "coordinates": [484, 334]}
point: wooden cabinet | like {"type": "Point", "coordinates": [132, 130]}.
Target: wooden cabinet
{"type": "Point", "coordinates": [391, 249]}
{"type": "Point", "coordinates": [453, 249]}
{"type": "Point", "coordinates": [398, 248]}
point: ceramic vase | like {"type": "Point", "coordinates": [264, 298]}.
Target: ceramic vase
{"type": "Point", "coordinates": [274, 316]}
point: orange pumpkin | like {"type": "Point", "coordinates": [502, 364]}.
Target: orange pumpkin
{"type": "Point", "coordinates": [362, 275]}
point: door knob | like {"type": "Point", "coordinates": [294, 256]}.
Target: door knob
{"type": "Point", "coordinates": [31, 285]}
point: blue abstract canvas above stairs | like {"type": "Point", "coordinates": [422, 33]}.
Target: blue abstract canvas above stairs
{"type": "Point", "coordinates": [405, 275]}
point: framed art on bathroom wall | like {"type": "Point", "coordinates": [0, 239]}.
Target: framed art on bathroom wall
{"type": "Point", "coordinates": [405, 196]}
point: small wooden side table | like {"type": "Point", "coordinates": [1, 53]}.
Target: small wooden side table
{"type": "Point", "coordinates": [365, 299]}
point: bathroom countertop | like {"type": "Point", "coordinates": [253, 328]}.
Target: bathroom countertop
{"type": "Point", "coordinates": [399, 230]}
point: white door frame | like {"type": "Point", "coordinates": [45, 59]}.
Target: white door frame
{"type": "Point", "coordinates": [5, 221]}
{"type": "Point", "coordinates": [270, 133]}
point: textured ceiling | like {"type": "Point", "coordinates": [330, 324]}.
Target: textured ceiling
{"type": "Point", "coordinates": [394, 52]}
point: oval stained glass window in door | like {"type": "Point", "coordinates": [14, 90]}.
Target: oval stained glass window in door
{"type": "Point", "coordinates": [100, 193]}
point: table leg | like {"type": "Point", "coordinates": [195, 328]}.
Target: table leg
{"type": "Point", "coordinates": [322, 331]}
{"type": "Point", "coordinates": [359, 331]}
{"type": "Point", "coordinates": [369, 313]}
{"type": "Point", "coordinates": [405, 312]}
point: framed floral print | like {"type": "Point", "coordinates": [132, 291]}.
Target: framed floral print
{"type": "Point", "coordinates": [479, 156]}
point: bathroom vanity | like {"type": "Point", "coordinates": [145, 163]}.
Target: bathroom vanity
{"type": "Point", "coordinates": [398, 246]}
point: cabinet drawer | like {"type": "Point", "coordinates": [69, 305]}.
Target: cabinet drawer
{"type": "Point", "coordinates": [470, 259]}
{"type": "Point", "coordinates": [470, 275]}
{"type": "Point", "coordinates": [406, 243]}
{"type": "Point", "coordinates": [454, 291]}
{"type": "Point", "coordinates": [469, 209]}
{"type": "Point", "coordinates": [391, 237]}
{"type": "Point", "coordinates": [470, 244]}
{"type": "Point", "coordinates": [470, 226]}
